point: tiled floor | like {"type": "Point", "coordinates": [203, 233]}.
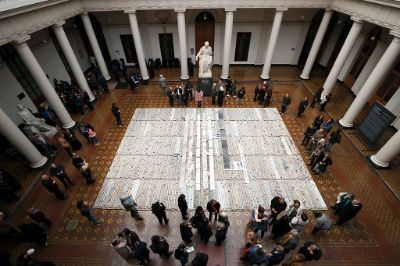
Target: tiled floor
{"type": "Point", "coordinates": [373, 238]}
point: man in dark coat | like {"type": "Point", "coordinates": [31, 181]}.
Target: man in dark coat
{"type": "Point", "coordinates": [183, 207]}
{"type": "Point", "coordinates": [186, 232]}
{"type": "Point", "coordinates": [141, 252]}
{"type": "Point", "coordinates": [311, 251]}
{"type": "Point", "coordinates": [33, 232]}
{"type": "Point", "coordinates": [317, 97]}
{"type": "Point", "coordinates": [302, 106]}
{"type": "Point", "coordinates": [58, 171]}
{"type": "Point", "coordinates": [285, 103]}
{"type": "Point", "coordinates": [39, 216]}
{"type": "Point", "coordinates": [158, 209]}
{"type": "Point", "coordinates": [278, 204]}
{"type": "Point", "coordinates": [117, 113]}
{"type": "Point", "coordinates": [160, 246]}
{"type": "Point", "coordinates": [51, 185]}
{"type": "Point", "coordinates": [221, 96]}
{"type": "Point", "coordinates": [348, 211]}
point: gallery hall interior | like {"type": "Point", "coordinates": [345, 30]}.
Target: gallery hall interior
{"type": "Point", "coordinates": [214, 132]}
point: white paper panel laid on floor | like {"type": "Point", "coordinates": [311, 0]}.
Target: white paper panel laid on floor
{"type": "Point", "coordinates": [241, 157]}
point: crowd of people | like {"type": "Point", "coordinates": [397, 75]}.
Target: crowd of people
{"type": "Point", "coordinates": [286, 222]}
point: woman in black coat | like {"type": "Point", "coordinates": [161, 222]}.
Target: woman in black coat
{"type": "Point", "coordinates": [183, 207]}
{"type": "Point", "coordinates": [186, 232]}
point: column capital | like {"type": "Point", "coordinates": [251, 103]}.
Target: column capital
{"type": "Point", "coordinates": [85, 13]}
{"type": "Point", "coordinates": [130, 11]}
{"type": "Point", "coordinates": [58, 24]}
{"type": "Point", "coordinates": [328, 9]}
{"type": "Point", "coordinates": [356, 19]}
{"type": "Point", "coordinates": [230, 9]}
{"type": "Point", "coordinates": [22, 39]}
{"type": "Point", "coordinates": [396, 34]}
{"type": "Point", "coordinates": [282, 9]}
{"type": "Point", "coordinates": [180, 10]}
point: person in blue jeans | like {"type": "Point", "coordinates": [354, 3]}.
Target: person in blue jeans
{"type": "Point", "coordinates": [85, 211]}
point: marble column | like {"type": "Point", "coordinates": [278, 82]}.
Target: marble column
{"type": "Point", "coordinates": [391, 148]}
{"type": "Point", "coordinates": [71, 58]}
{"type": "Point", "coordinates": [138, 44]}
{"type": "Point", "coordinates": [316, 44]}
{"type": "Point", "coordinates": [341, 58]}
{"type": "Point", "coordinates": [273, 38]}
{"type": "Point", "coordinates": [180, 14]}
{"type": "Point", "coordinates": [372, 84]}
{"type": "Point", "coordinates": [12, 133]}
{"type": "Point", "coordinates": [352, 58]}
{"type": "Point", "coordinates": [227, 42]}
{"type": "Point", "coordinates": [41, 80]}
{"type": "Point", "coordinates": [95, 46]}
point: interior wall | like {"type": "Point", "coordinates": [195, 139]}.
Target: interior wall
{"type": "Point", "coordinates": [50, 61]}
{"type": "Point", "coordinates": [9, 90]}
{"type": "Point", "coordinates": [78, 47]}
{"type": "Point", "coordinates": [287, 51]}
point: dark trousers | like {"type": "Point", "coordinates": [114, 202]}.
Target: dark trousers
{"type": "Point", "coordinates": [162, 217]}
{"type": "Point", "coordinates": [119, 121]}
{"type": "Point", "coordinates": [262, 232]}
{"type": "Point", "coordinates": [210, 216]}
{"type": "Point", "coordinates": [220, 102]}
{"type": "Point", "coordinates": [213, 100]}
{"type": "Point", "coordinates": [305, 141]}
{"type": "Point", "coordinates": [171, 101]}
{"type": "Point", "coordinates": [58, 193]}
{"type": "Point", "coordinates": [65, 180]}
{"type": "Point", "coordinates": [184, 213]}
{"type": "Point", "coordinates": [283, 108]}
{"type": "Point", "coordinates": [199, 104]}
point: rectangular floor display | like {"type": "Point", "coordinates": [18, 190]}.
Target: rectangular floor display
{"type": "Point", "coordinates": [240, 157]}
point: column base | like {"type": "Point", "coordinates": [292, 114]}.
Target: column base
{"type": "Point", "coordinates": [145, 80]}
{"type": "Point", "coordinates": [223, 77]}
{"type": "Point", "coordinates": [184, 77]}
{"type": "Point", "coordinates": [376, 163]}
{"type": "Point", "coordinates": [264, 77]}
{"type": "Point", "coordinates": [70, 125]}
{"type": "Point", "coordinates": [40, 163]}
{"type": "Point", "coordinates": [344, 124]}
{"type": "Point", "coordinates": [108, 78]}
{"type": "Point", "coordinates": [305, 77]}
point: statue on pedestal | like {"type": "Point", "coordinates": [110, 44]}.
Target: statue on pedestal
{"type": "Point", "coordinates": [204, 56]}
{"type": "Point", "coordinates": [38, 123]}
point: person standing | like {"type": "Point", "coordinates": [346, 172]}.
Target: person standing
{"type": "Point", "coordinates": [278, 205]}
{"type": "Point", "coordinates": [213, 207]}
{"type": "Point", "coordinates": [198, 97]}
{"type": "Point", "coordinates": [159, 245]}
{"type": "Point", "coordinates": [221, 96]}
{"type": "Point", "coordinates": [163, 84]}
{"type": "Point", "coordinates": [261, 93]}
{"type": "Point", "coordinates": [259, 220]}
{"type": "Point", "coordinates": [302, 106]}
{"type": "Point", "coordinates": [102, 82]}
{"type": "Point", "coordinates": [86, 100]}
{"type": "Point", "coordinates": [51, 185]}
{"type": "Point", "coordinates": [311, 251]}
{"type": "Point", "coordinates": [308, 134]}
{"type": "Point", "coordinates": [170, 95]}
{"type": "Point", "coordinates": [222, 228]}
{"type": "Point", "coordinates": [83, 207]}
{"type": "Point", "coordinates": [183, 207]}
{"type": "Point", "coordinates": [141, 252]}
{"type": "Point", "coordinates": [318, 121]}
{"type": "Point", "coordinates": [324, 101]}
{"type": "Point", "coordinates": [317, 97]}
{"type": "Point", "coordinates": [240, 96]}
{"type": "Point", "coordinates": [285, 103]}
{"type": "Point", "coordinates": [93, 137]}
{"type": "Point", "coordinates": [117, 113]}
{"type": "Point", "coordinates": [58, 170]}
{"type": "Point", "coordinates": [130, 205]}
{"type": "Point", "coordinates": [43, 144]}
{"type": "Point", "coordinates": [214, 93]}
{"type": "Point", "coordinates": [348, 211]}
{"type": "Point", "coordinates": [39, 217]}
{"type": "Point", "coordinates": [268, 94]}
{"type": "Point", "coordinates": [256, 91]}
{"type": "Point", "coordinates": [181, 254]}
{"type": "Point", "coordinates": [327, 126]}
{"type": "Point", "coordinates": [322, 222]}
{"type": "Point", "coordinates": [158, 209]}
{"type": "Point", "coordinates": [186, 232]}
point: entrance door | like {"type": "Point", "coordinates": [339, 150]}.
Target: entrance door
{"type": "Point", "coordinates": [167, 48]}
{"type": "Point", "coordinates": [204, 29]}
{"type": "Point", "coordinates": [129, 48]}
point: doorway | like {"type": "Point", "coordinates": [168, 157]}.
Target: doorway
{"type": "Point", "coordinates": [204, 29]}
{"type": "Point", "coordinates": [129, 48]}
{"type": "Point", "coordinates": [167, 49]}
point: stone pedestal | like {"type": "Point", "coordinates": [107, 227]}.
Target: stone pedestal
{"type": "Point", "coordinates": [205, 84]}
